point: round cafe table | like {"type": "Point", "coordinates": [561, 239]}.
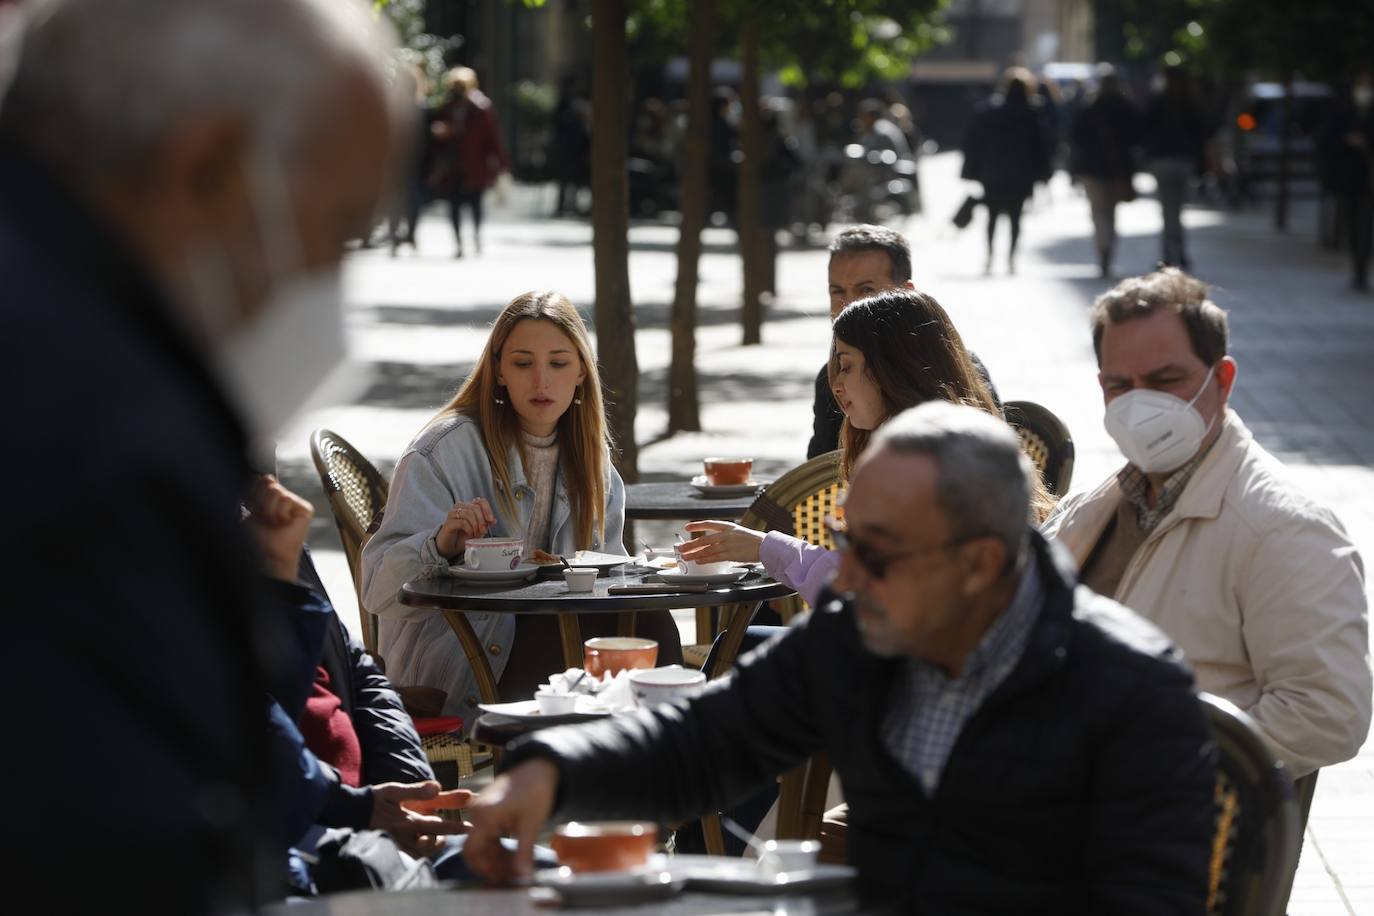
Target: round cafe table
{"type": "Point", "coordinates": [673, 500]}
{"type": "Point", "coordinates": [450, 596]}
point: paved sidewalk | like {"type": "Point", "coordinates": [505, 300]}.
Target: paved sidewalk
{"type": "Point", "coordinates": [1302, 340]}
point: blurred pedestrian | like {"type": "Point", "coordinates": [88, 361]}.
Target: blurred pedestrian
{"type": "Point", "coordinates": [1346, 144]}
{"type": "Point", "coordinates": [1005, 152]}
{"type": "Point", "coordinates": [409, 196]}
{"type": "Point", "coordinates": [1174, 145]}
{"type": "Point", "coordinates": [572, 147]}
{"type": "Point", "coordinates": [722, 163]}
{"type": "Point", "coordinates": [470, 154]}
{"type": "Point", "coordinates": [1104, 140]}
{"type": "Point", "coordinates": [177, 179]}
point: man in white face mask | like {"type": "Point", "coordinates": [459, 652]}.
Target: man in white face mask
{"type": "Point", "coordinates": [177, 180]}
{"type": "Point", "coordinates": [1203, 533]}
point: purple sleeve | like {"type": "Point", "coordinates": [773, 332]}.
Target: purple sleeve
{"type": "Point", "coordinates": [797, 564]}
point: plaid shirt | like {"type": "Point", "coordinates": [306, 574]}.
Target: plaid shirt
{"type": "Point", "coordinates": [1134, 485]}
{"type": "Point", "coordinates": [927, 710]}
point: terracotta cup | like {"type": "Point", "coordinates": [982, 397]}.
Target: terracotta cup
{"type": "Point", "coordinates": [722, 472]}
{"type": "Point", "coordinates": [607, 846]}
{"type": "Point", "coordinates": [617, 653]}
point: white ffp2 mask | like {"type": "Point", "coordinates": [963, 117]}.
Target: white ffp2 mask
{"type": "Point", "coordinates": [1157, 432]}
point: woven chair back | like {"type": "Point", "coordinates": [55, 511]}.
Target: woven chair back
{"type": "Point", "coordinates": [357, 494]}
{"type": "Point", "coordinates": [1257, 836]}
{"type": "Point", "coordinates": [1046, 440]}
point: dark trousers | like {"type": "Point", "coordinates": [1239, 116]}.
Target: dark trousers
{"type": "Point", "coordinates": [472, 200]}
{"type": "Point", "coordinates": [1358, 212]}
{"type": "Point", "coordinates": [1010, 205]}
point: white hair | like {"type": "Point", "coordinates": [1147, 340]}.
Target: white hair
{"type": "Point", "coordinates": [99, 82]}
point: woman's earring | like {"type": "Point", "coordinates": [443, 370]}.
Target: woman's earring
{"type": "Point", "coordinates": [496, 396]}
{"type": "Point", "coordinates": [577, 398]}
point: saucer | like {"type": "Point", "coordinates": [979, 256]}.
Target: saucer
{"type": "Point", "coordinates": [527, 711]}
{"type": "Point", "coordinates": [610, 888]}
{"type": "Point", "coordinates": [724, 491]}
{"type": "Point", "coordinates": [493, 576]}
{"type": "Point", "coordinates": [730, 576]}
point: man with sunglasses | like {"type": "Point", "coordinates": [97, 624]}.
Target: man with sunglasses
{"type": "Point", "coordinates": [1007, 744]}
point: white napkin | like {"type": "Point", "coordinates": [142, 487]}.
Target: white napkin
{"type": "Point", "coordinates": [611, 692]}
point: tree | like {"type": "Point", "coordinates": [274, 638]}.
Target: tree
{"type": "Point", "coordinates": [615, 320]}
{"type": "Point", "coordinates": [684, 413]}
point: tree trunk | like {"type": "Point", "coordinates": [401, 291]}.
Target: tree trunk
{"type": "Point", "coordinates": [1285, 130]}
{"type": "Point", "coordinates": [615, 320]}
{"type": "Point", "coordinates": [683, 410]}
{"type": "Point", "coordinates": [751, 144]}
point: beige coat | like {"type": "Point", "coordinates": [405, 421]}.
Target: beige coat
{"type": "Point", "coordinates": [1262, 590]}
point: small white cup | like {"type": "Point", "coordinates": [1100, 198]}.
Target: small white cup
{"type": "Point", "coordinates": [694, 568]}
{"type": "Point", "coordinates": [555, 704]}
{"type": "Point", "coordinates": [652, 686]}
{"type": "Point", "coordinates": [580, 578]}
{"type": "Point", "coordinates": [493, 553]}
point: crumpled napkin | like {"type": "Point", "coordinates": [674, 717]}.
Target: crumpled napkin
{"type": "Point", "coordinates": [611, 691]}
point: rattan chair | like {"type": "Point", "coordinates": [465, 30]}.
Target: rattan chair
{"type": "Point", "coordinates": [357, 494]}
{"type": "Point", "coordinates": [1255, 845]}
{"type": "Point", "coordinates": [1047, 441]}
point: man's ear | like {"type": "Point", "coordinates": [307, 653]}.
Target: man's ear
{"type": "Point", "coordinates": [909, 284]}
{"type": "Point", "coordinates": [985, 559]}
{"type": "Point", "coordinates": [198, 167]}
{"type": "Point", "coordinates": [1226, 376]}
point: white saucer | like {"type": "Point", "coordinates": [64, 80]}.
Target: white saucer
{"type": "Point", "coordinates": [610, 888]}
{"type": "Point", "coordinates": [724, 491]}
{"type": "Point", "coordinates": [518, 574]}
{"type": "Point", "coordinates": [528, 711]}
{"type": "Point", "coordinates": [728, 577]}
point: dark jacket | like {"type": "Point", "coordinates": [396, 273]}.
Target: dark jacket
{"type": "Point", "coordinates": [472, 156]}
{"type": "Point", "coordinates": [1174, 129]}
{"type": "Point", "coordinates": [827, 418]}
{"type": "Point", "coordinates": [133, 608]}
{"type": "Point", "coordinates": [1005, 151]}
{"type": "Point", "coordinates": [1082, 785]}
{"type": "Point", "coordinates": [390, 745]}
{"type": "Point", "coordinates": [1105, 135]}
{"type": "Point", "coordinates": [1347, 169]}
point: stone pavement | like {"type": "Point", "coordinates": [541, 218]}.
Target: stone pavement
{"type": "Point", "coordinates": [1302, 340]}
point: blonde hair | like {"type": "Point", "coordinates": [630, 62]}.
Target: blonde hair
{"type": "Point", "coordinates": [582, 435]}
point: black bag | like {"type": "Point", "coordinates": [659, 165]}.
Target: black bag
{"type": "Point", "coordinates": [964, 215]}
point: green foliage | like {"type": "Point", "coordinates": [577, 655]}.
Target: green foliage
{"type": "Point", "coordinates": [850, 42]}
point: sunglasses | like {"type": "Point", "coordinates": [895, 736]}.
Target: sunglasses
{"type": "Point", "coordinates": [874, 563]}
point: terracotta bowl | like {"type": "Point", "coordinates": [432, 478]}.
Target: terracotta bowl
{"type": "Point", "coordinates": [722, 472]}
{"type": "Point", "coordinates": [617, 653]}
{"type": "Point", "coordinates": [608, 846]}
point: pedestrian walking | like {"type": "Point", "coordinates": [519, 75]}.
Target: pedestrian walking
{"type": "Point", "coordinates": [1005, 152]}
{"type": "Point", "coordinates": [1104, 138]}
{"type": "Point", "coordinates": [1346, 145]}
{"type": "Point", "coordinates": [470, 154]}
{"type": "Point", "coordinates": [1174, 137]}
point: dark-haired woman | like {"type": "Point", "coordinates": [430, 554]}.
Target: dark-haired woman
{"type": "Point", "coordinates": [890, 351]}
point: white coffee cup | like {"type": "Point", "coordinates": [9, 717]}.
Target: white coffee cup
{"type": "Point", "coordinates": [489, 554]}
{"type": "Point", "coordinates": [696, 568]}
{"type": "Point", "coordinates": [580, 578]}
{"type": "Point", "coordinates": [652, 686]}
{"type": "Point", "coordinates": [555, 704]}
{"type": "Point", "coordinates": [789, 855]}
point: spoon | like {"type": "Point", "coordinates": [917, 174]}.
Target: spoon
{"type": "Point", "coordinates": [740, 833]}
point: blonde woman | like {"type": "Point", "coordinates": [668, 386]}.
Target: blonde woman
{"type": "Point", "coordinates": [522, 447]}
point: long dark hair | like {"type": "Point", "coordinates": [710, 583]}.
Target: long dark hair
{"type": "Point", "coordinates": [912, 353]}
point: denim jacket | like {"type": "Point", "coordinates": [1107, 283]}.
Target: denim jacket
{"type": "Point", "coordinates": [447, 463]}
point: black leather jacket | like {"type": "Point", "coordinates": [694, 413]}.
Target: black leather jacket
{"type": "Point", "coordinates": [1082, 785]}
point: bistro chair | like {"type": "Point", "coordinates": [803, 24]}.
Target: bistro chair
{"type": "Point", "coordinates": [357, 494]}
{"type": "Point", "coordinates": [1046, 440]}
{"type": "Point", "coordinates": [1255, 845]}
